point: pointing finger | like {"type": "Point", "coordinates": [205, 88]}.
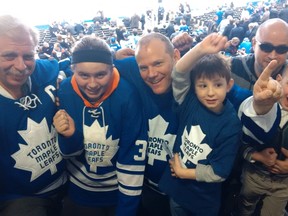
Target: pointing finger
{"type": "Point", "coordinates": [268, 71]}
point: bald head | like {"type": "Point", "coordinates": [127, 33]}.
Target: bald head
{"type": "Point", "coordinates": [274, 27]}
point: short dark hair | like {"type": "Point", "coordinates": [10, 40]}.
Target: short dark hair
{"type": "Point", "coordinates": [211, 65]}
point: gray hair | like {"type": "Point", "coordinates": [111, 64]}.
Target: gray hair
{"type": "Point", "coordinates": [14, 28]}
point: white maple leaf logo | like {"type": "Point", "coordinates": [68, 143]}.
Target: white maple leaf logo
{"type": "Point", "coordinates": [192, 148]}
{"type": "Point", "coordinates": [41, 151]}
{"type": "Point", "coordinates": [159, 144]}
{"type": "Point", "coordinates": [99, 150]}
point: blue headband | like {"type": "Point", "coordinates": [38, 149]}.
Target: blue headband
{"type": "Point", "coordinates": [102, 56]}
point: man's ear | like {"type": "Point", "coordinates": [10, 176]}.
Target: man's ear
{"type": "Point", "coordinates": [176, 55]}
{"type": "Point", "coordinates": [230, 84]}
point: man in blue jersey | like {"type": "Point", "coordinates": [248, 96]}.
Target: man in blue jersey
{"type": "Point", "coordinates": [156, 58]}
{"type": "Point", "coordinates": [31, 166]}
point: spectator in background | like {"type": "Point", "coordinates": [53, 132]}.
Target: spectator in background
{"type": "Point", "coordinates": [79, 28]}
{"type": "Point", "coordinates": [114, 44]}
{"type": "Point", "coordinates": [88, 29]}
{"type": "Point", "coordinates": [45, 51]}
{"type": "Point", "coordinates": [283, 14]}
{"type": "Point", "coordinates": [135, 21]}
{"type": "Point", "coordinates": [53, 29]}
{"type": "Point", "coordinates": [219, 14]}
{"type": "Point", "coordinates": [274, 13]}
{"type": "Point", "coordinates": [183, 27]}
{"type": "Point", "coordinates": [228, 28]}
{"type": "Point", "coordinates": [143, 21]}
{"type": "Point", "coordinates": [126, 43]}
{"type": "Point", "coordinates": [161, 12]}
{"type": "Point", "coordinates": [97, 26]}
{"type": "Point", "coordinates": [134, 38]}
{"type": "Point", "coordinates": [176, 32]}
{"type": "Point", "coordinates": [169, 30]}
{"type": "Point", "coordinates": [255, 17]}
{"type": "Point", "coordinates": [266, 14]}
{"type": "Point", "coordinates": [212, 25]}
{"type": "Point", "coordinates": [238, 31]}
{"type": "Point", "coordinates": [252, 28]}
{"type": "Point", "coordinates": [224, 23]}
{"type": "Point", "coordinates": [232, 49]}
{"type": "Point", "coordinates": [246, 44]}
{"type": "Point", "coordinates": [120, 30]}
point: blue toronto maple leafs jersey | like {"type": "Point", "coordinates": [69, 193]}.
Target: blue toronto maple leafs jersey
{"type": "Point", "coordinates": [30, 161]}
{"type": "Point", "coordinates": [107, 152]}
{"type": "Point", "coordinates": [162, 122]}
{"type": "Point", "coordinates": [204, 138]}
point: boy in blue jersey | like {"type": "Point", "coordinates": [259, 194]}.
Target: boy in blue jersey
{"type": "Point", "coordinates": [31, 166]}
{"type": "Point", "coordinates": [101, 133]}
{"type": "Point", "coordinates": [209, 128]}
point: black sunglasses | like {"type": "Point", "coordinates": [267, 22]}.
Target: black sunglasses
{"type": "Point", "coordinates": [267, 47]}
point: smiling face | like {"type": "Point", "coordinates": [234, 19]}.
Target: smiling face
{"type": "Point", "coordinates": [156, 65]}
{"type": "Point", "coordinates": [93, 79]}
{"type": "Point", "coordinates": [16, 62]}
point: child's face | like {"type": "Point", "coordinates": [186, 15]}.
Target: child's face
{"type": "Point", "coordinates": [212, 92]}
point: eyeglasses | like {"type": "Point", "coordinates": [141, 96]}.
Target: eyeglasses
{"type": "Point", "coordinates": [267, 47]}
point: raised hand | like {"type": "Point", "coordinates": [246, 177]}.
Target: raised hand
{"type": "Point", "coordinates": [213, 43]}
{"type": "Point", "coordinates": [182, 41]}
{"type": "Point", "coordinates": [266, 90]}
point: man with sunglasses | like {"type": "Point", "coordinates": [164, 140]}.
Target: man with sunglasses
{"type": "Point", "coordinates": [270, 42]}
{"type": "Point", "coordinates": [258, 183]}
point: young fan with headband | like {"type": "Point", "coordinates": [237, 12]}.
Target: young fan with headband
{"type": "Point", "coordinates": [101, 134]}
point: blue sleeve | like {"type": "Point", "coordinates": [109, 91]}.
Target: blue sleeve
{"type": "Point", "coordinates": [131, 157]}
{"type": "Point", "coordinates": [128, 70]}
{"type": "Point", "coordinates": [237, 95]}
{"type": "Point", "coordinates": [45, 71]}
